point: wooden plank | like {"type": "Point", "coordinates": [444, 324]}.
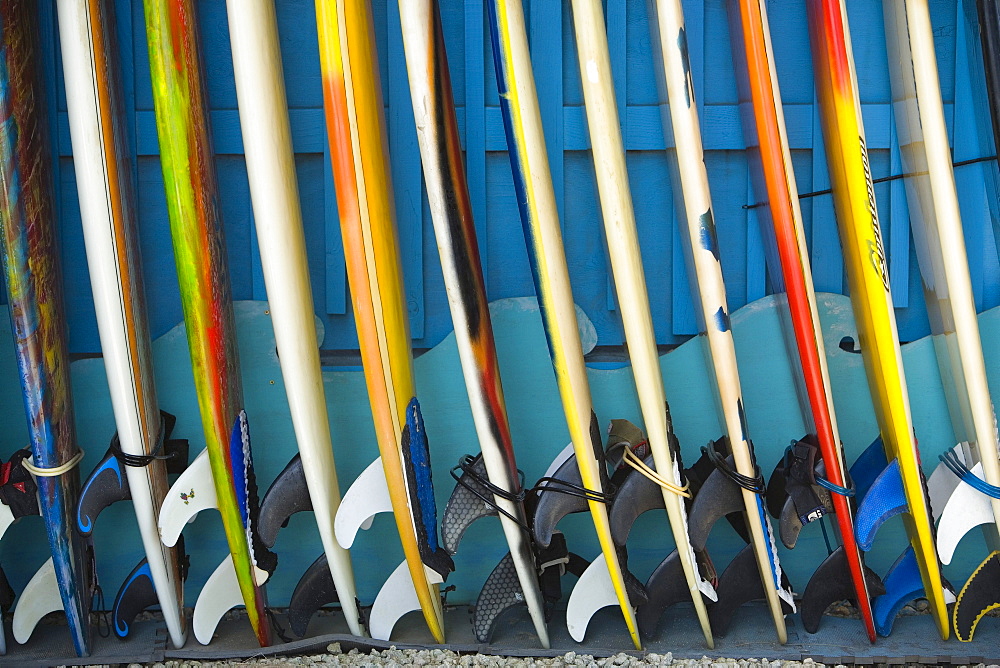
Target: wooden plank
{"type": "Point", "coordinates": [407, 178]}
{"type": "Point", "coordinates": [898, 227]}
{"type": "Point", "coordinates": [756, 267]}
{"type": "Point", "coordinates": [546, 38]}
{"type": "Point", "coordinates": [475, 122]}
{"type": "Point", "coordinates": [827, 258]}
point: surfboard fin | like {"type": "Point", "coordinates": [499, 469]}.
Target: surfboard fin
{"type": "Point", "coordinates": [793, 495]}
{"type": "Point", "coordinates": [902, 585]}
{"type": "Point", "coordinates": [465, 506]}
{"type": "Point", "coordinates": [39, 598]}
{"type": "Point", "coordinates": [884, 499]}
{"type": "Point", "coordinates": [665, 587]}
{"type": "Point", "coordinates": [396, 598]}
{"type": "Point", "coordinates": [287, 495]}
{"type": "Point", "coordinates": [831, 582]}
{"type": "Point", "coordinates": [636, 495]}
{"type": "Point", "coordinates": [867, 467]}
{"type": "Point", "coordinates": [552, 506]}
{"type": "Point", "coordinates": [501, 591]}
{"type": "Point", "coordinates": [594, 590]}
{"type": "Point", "coordinates": [790, 521]}
{"type": "Point", "coordinates": [220, 594]}
{"type": "Point", "coordinates": [718, 497]}
{"type": "Point", "coordinates": [739, 584]}
{"type": "Point", "coordinates": [366, 498]}
{"type": "Point", "coordinates": [314, 590]}
{"type": "Point", "coordinates": [136, 594]}
{"type": "Point", "coordinates": [107, 484]}
{"type": "Point", "coordinates": [964, 509]}
{"type": "Point", "coordinates": [193, 492]}
{"type": "Point", "coordinates": [980, 595]}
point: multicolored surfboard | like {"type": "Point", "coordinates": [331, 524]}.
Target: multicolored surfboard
{"type": "Point", "coordinates": [788, 263]}
{"type": "Point", "coordinates": [898, 487]}
{"type": "Point", "coordinates": [400, 480]}
{"type": "Point", "coordinates": [455, 230]}
{"type": "Point", "coordinates": [33, 275]}
{"type": "Point", "coordinates": [223, 475]}
{"type": "Point", "coordinates": [966, 485]}
{"type": "Point", "coordinates": [134, 467]}
{"type": "Point", "coordinates": [267, 141]}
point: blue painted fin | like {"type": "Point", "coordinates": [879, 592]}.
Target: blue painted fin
{"type": "Point", "coordinates": [867, 467]}
{"type": "Point", "coordinates": [417, 464]}
{"type": "Point", "coordinates": [136, 594]}
{"type": "Point", "coordinates": [885, 499]}
{"type": "Point", "coordinates": [287, 495]}
{"type": "Point", "coordinates": [902, 585]}
{"type": "Point", "coordinates": [107, 484]}
{"type": "Point", "coordinates": [314, 590]}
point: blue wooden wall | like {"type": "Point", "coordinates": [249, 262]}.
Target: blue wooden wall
{"type": "Point", "coordinates": [504, 257]}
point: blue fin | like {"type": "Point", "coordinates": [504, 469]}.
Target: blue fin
{"type": "Point", "coordinates": [902, 585]}
{"type": "Point", "coordinates": [885, 499]}
{"type": "Point", "coordinates": [106, 484]}
{"type": "Point", "coordinates": [867, 467]}
{"type": "Point", "coordinates": [136, 594]}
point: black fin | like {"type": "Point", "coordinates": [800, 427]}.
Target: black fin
{"type": "Point", "coordinates": [552, 506]}
{"type": "Point", "coordinates": [738, 584]}
{"type": "Point", "coordinates": [106, 484]}
{"type": "Point", "coordinates": [718, 497]}
{"type": "Point", "coordinates": [6, 593]}
{"type": "Point", "coordinates": [136, 594]}
{"type": "Point", "coordinates": [831, 582]}
{"type": "Point", "coordinates": [980, 595]}
{"type": "Point", "coordinates": [465, 507]}
{"type": "Point", "coordinates": [501, 591]}
{"type": "Point", "coordinates": [287, 495]}
{"type": "Point", "coordinates": [313, 591]}
{"type": "Point", "coordinates": [790, 522]}
{"type": "Point", "coordinates": [636, 495]}
{"type": "Point", "coordinates": [665, 587]}
{"type": "Point", "coordinates": [776, 494]}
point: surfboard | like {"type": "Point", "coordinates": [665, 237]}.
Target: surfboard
{"type": "Point", "coordinates": [267, 141]}
{"type": "Point", "coordinates": [222, 476]}
{"type": "Point", "coordinates": [900, 484]}
{"type": "Point", "coordinates": [455, 231]}
{"type": "Point", "coordinates": [983, 19]}
{"type": "Point", "coordinates": [936, 221]}
{"type": "Point", "coordinates": [400, 480]}
{"type": "Point", "coordinates": [780, 219]}
{"type": "Point", "coordinates": [33, 276]}
{"type": "Point", "coordinates": [88, 38]}
{"type": "Point", "coordinates": [633, 300]}
{"type": "Point", "coordinates": [694, 203]}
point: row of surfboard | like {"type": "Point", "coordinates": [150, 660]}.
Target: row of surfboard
{"type": "Point", "coordinates": [636, 471]}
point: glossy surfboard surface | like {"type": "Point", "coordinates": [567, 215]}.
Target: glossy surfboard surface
{"type": "Point", "coordinates": [455, 230]}
{"type": "Point", "coordinates": [705, 272]}
{"type": "Point", "coordinates": [187, 159]}
{"type": "Point", "coordinates": [936, 221]}
{"type": "Point", "coordinates": [788, 261]}
{"type": "Point", "coordinates": [358, 151]}
{"type": "Point", "coordinates": [630, 284]}
{"type": "Point", "coordinates": [274, 193]}
{"type": "Point", "coordinates": [105, 183]}
{"type": "Point", "coordinates": [867, 272]}
{"type": "Point", "coordinates": [983, 47]}
{"type": "Point", "coordinates": [34, 290]}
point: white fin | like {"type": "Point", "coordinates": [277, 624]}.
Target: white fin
{"type": "Point", "coordinates": [942, 483]}
{"type": "Point", "coordinates": [193, 492]}
{"type": "Point", "coordinates": [366, 498]}
{"type": "Point", "coordinates": [39, 598]}
{"type": "Point", "coordinates": [220, 594]}
{"type": "Point", "coordinates": [966, 509]}
{"type": "Point", "coordinates": [560, 459]}
{"type": "Point", "coordinates": [6, 518]}
{"type": "Point", "coordinates": [592, 592]}
{"type": "Point", "coordinates": [396, 598]}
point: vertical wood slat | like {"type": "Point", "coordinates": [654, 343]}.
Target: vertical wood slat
{"type": "Point", "coordinates": [969, 180]}
{"type": "Point", "coordinates": [546, 38]}
{"type": "Point", "coordinates": [258, 290]}
{"type": "Point", "coordinates": [827, 257]}
{"type": "Point", "coordinates": [336, 269]}
{"type": "Point", "coordinates": [618, 49]}
{"type": "Point", "coordinates": [899, 225]}
{"type": "Point", "coordinates": [475, 123]}
{"type": "Point", "coordinates": [407, 179]}
{"type": "Point", "coordinates": [756, 267]}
